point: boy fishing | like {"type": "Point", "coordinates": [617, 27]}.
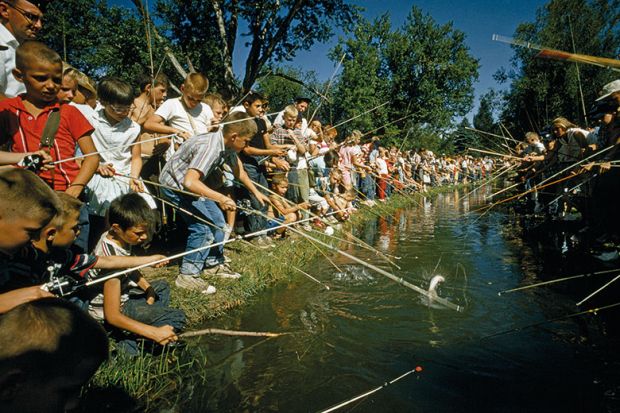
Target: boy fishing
{"type": "Point", "coordinates": [194, 168]}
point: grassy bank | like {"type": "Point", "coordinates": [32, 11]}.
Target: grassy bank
{"type": "Point", "coordinates": [154, 381]}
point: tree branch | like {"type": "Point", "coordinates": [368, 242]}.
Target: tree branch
{"type": "Point", "coordinates": [226, 46]}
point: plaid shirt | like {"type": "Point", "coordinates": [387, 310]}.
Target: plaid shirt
{"type": "Point", "coordinates": [281, 136]}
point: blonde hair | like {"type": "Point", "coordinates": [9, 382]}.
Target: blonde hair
{"type": "Point", "coordinates": [278, 179]}
{"type": "Point", "coordinates": [196, 83]}
{"type": "Point", "coordinates": [291, 111]}
{"type": "Point", "coordinates": [563, 123]}
{"type": "Point", "coordinates": [214, 99]}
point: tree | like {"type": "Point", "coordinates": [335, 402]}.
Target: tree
{"type": "Point", "coordinates": [541, 90]}
{"type": "Point", "coordinates": [103, 41]}
{"type": "Point", "coordinates": [484, 119]}
{"type": "Point", "coordinates": [363, 83]}
{"type": "Point", "coordinates": [276, 29]}
{"type": "Point", "coordinates": [283, 85]}
{"type": "Point", "coordinates": [432, 70]}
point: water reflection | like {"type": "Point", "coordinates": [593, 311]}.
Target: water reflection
{"type": "Point", "coordinates": [367, 329]}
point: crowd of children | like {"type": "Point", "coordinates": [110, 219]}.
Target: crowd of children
{"type": "Point", "coordinates": [571, 173]}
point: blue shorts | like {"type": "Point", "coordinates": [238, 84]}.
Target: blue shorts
{"type": "Point", "coordinates": [274, 223]}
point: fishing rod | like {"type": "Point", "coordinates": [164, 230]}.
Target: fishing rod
{"type": "Point", "coordinates": [329, 85]}
{"type": "Point", "coordinates": [558, 280]}
{"type": "Point", "coordinates": [66, 287]}
{"type": "Point", "coordinates": [493, 178]}
{"type": "Point", "coordinates": [599, 290]}
{"type": "Point", "coordinates": [417, 369]}
{"type": "Point", "coordinates": [381, 271]}
{"type": "Point", "coordinates": [357, 116]}
{"type": "Point", "coordinates": [204, 221]}
{"type": "Point", "coordinates": [594, 311]}
{"type": "Point", "coordinates": [318, 217]}
{"type": "Point", "coordinates": [233, 333]}
{"type": "Point", "coordinates": [495, 153]}
{"type": "Point", "coordinates": [547, 53]}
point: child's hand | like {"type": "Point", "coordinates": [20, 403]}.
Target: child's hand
{"type": "Point", "coordinates": [151, 295]}
{"type": "Point", "coordinates": [106, 170]}
{"type": "Point", "coordinates": [227, 204]}
{"type": "Point", "coordinates": [46, 160]}
{"type": "Point", "coordinates": [304, 205]}
{"type": "Point", "coordinates": [184, 135]}
{"type": "Point", "coordinates": [281, 164]}
{"type": "Point", "coordinates": [136, 185]}
{"type": "Point", "coordinates": [158, 257]}
{"type": "Point", "coordinates": [163, 335]}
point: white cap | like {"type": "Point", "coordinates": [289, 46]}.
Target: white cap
{"type": "Point", "coordinates": [609, 88]}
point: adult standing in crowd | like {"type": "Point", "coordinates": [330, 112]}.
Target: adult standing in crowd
{"type": "Point", "coordinates": [21, 21]}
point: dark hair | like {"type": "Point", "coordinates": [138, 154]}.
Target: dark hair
{"type": "Point", "coordinates": [331, 159]}
{"type": "Point", "coordinates": [143, 80]}
{"type": "Point", "coordinates": [130, 210]}
{"type": "Point", "coordinates": [252, 97]}
{"type": "Point", "coordinates": [113, 91]}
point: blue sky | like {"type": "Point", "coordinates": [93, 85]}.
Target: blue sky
{"type": "Point", "coordinates": [478, 19]}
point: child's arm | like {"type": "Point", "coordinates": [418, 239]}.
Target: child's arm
{"type": "Point", "coordinates": [193, 182]}
{"type": "Point", "coordinates": [243, 177]}
{"type": "Point", "coordinates": [155, 123]}
{"type": "Point", "coordinates": [151, 295]}
{"type": "Point", "coordinates": [87, 168]}
{"type": "Point", "coordinates": [285, 209]}
{"type": "Point", "coordinates": [136, 166]}
{"type": "Point", "coordinates": [116, 262]}
{"type": "Point", "coordinates": [12, 299]}
{"type": "Point", "coordinates": [113, 315]}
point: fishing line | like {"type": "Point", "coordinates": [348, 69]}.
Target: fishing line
{"type": "Point", "coordinates": [558, 280]}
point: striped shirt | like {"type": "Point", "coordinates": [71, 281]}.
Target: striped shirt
{"type": "Point", "coordinates": [203, 153]}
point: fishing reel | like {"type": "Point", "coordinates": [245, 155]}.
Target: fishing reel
{"type": "Point", "coordinates": [63, 286]}
{"type": "Point", "coordinates": [32, 163]}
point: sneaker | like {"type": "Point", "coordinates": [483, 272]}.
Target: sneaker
{"type": "Point", "coordinates": [262, 242]}
{"type": "Point", "coordinates": [189, 282]}
{"type": "Point", "coordinates": [307, 227]}
{"type": "Point", "coordinates": [222, 271]}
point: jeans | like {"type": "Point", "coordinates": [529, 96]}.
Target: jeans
{"type": "Point", "coordinates": [368, 187]}
{"type": "Point", "coordinates": [81, 242]}
{"type": "Point", "coordinates": [157, 314]}
{"type": "Point", "coordinates": [255, 222]}
{"type": "Point", "coordinates": [200, 234]}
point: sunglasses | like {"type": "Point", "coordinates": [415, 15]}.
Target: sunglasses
{"type": "Point", "coordinates": [31, 17]}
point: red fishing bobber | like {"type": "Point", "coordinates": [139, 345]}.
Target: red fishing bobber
{"type": "Point", "coordinates": [418, 369]}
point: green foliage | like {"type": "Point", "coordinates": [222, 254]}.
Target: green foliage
{"type": "Point", "coordinates": [103, 41]}
{"type": "Point", "coordinates": [424, 70]}
{"type": "Point", "coordinates": [540, 89]}
{"type": "Point", "coordinates": [484, 119]}
{"type": "Point", "coordinates": [283, 85]}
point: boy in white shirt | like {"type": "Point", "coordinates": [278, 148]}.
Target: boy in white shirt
{"type": "Point", "coordinates": [186, 116]}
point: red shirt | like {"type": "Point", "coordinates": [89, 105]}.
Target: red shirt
{"type": "Point", "coordinates": [23, 133]}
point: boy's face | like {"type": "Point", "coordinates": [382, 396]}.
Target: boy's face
{"type": "Point", "coordinates": [136, 235]}
{"type": "Point", "coordinates": [117, 113]}
{"type": "Point", "coordinates": [42, 79]}
{"type": "Point", "coordinates": [218, 113]}
{"type": "Point", "coordinates": [68, 90]}
{"type": "Point", "coordinates": [255, 108]}
{"type": "Point", "coordinates": [191, 98]}
{"type": "Point", "coordinates": [302, 106]}
{"type": "Point", "coordinates": [238, 142]}
{"type": "Point", "coordinates": [281, 188]}
{"type": "Point", "coordinates": [18, 232]}
{"type": "Point", "coordinates": [289, 121]}
{"type": "Point", "coordinates": [68, 232]}
{"type": "Point", "coordinates": [158, 94]}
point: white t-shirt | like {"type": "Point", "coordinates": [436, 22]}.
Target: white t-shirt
{"type": "Point", "coordinates": [8, 84]}
{"type": "Point", "coordinates": [107, 136]}
{"type": "Point", "coordinates": [174, 114]}
{"type": "Point", "coordinates": [89, 113]}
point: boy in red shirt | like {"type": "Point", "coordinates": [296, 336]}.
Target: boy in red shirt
{"type": "Point", "coordinates": [23, 118]}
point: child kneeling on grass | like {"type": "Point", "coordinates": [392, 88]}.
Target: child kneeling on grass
{"type": "Point", "coordinates": [283, 211]}
{"type": "Point", "coordinates": [130, 303]}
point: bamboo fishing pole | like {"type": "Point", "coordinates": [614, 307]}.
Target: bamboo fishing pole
{"type": "Point", "coordinates": [495, 153]}
{"type": "Point", "coordinates": [558, 280]}
{"type": "Point", "coordinates": [233, 333]}
{"type": "Point", "coordinates": [357, 116]}
{"type": "Point", "coordinates": [398, 280]}
{"type": "Point", "coordinates": [417, 369]}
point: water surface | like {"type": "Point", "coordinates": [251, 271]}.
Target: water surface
{"type": "Point", "coordinates": [367, 329]}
